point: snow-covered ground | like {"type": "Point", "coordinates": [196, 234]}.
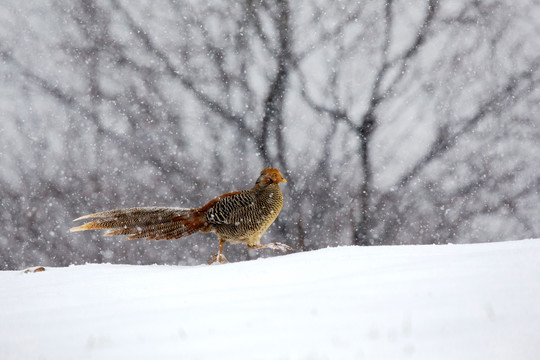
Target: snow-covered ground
{"type": "Point", "coordinates": [404, 302]}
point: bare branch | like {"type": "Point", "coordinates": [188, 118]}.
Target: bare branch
{"type": "Point", "coordinates": [204, 99]}
{"type": "Point", "coordinates": [446, 141]}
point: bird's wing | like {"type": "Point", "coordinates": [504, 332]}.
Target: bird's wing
{"type": "Point", "coordinates": [220, 210]}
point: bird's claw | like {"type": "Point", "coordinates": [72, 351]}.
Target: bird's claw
{"type": "Point", "coordinates": [279, 246]}
{"type": "Point", "coordinates": [218, 259]}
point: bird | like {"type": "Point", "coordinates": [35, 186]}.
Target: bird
{"type": "Point", "coordinates": [237, 217]}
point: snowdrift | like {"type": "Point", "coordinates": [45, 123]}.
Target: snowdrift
{"type": "Point", "coordinates": [403, 302]}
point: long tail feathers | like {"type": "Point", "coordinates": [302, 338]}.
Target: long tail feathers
{"type": "Point", "coordinates": [152, 223]}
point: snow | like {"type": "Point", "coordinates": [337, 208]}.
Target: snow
{"type": "Point", "coordinates": [477, 301]}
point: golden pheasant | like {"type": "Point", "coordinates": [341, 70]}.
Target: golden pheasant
{"type": "Point", "coordinates": [238, 217]}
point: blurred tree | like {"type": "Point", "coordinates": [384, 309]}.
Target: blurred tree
{"type": "Point", "coordinates": [444, 78]}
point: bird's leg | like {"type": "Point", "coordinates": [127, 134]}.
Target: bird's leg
{"type": "Point", "coordinates": [219, 258]}
{"type": "Point", "coordinates": [273, 246]}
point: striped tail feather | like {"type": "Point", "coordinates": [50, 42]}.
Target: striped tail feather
{"type": "Point", "coordinates": [152, 223]}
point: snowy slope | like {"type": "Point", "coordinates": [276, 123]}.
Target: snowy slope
{"type": "Point", "coordinates": [405, 302]}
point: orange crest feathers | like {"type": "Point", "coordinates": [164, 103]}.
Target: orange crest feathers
{"type": "Point", "coordinates": [271, 175]}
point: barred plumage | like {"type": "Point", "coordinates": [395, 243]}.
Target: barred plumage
{"type": "Point", "coordinates": [245, 216]}
{"type": "Point", "coordinates": [141, 222]}
{"type": "Point", "coordinates": [240, 216]}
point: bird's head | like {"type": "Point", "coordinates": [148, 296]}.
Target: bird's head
{"type": "Point", "coordinates": [270, 176]}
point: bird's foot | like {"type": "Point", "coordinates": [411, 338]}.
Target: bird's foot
{"type": "Point", "coordinates": [218, 259]}
{"type": "Point", "coordinates": [279, 246]}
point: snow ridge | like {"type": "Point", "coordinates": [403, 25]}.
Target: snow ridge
{"type": "Point", "coordinates": [477, 301]}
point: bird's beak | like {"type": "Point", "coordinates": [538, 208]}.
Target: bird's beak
{"type": "Point", "coordinates": [283, 179]}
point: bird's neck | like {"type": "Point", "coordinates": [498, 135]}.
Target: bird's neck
{"type": "Point", "coordinates": [266, 187]}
